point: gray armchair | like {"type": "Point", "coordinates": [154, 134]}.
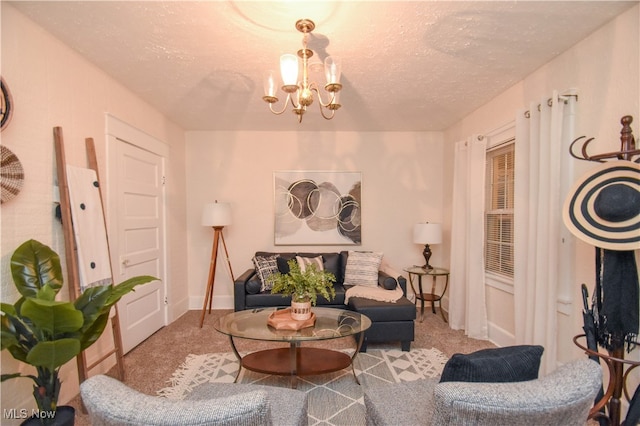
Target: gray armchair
{"type": "Point", "coordinates": [564, 397]}
{"type": "Point", "coordinates": [110, 402]}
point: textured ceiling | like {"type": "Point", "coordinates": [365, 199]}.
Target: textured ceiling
{"type": "Point", "coordinates": [407, 66]}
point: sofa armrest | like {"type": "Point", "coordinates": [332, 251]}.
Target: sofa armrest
{"type": "Point", "coordinates": [239, 290]}
{"type": "Point", "coordinates": [389, 270]}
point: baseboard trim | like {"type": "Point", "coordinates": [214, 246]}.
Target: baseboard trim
{"type": "Point", "coordinates": [219, 302]}
{"type": "Point", "coordinates": [500, 337]}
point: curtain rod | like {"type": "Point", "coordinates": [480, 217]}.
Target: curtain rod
{"type": "Point", "coordinates": [564, 98]}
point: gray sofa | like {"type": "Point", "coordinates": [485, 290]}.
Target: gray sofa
{"type": "Point", "coordinates": [564, 397]}
{"type": "Point", "coordinates": [111, 402]}
{"type": "Point", "coordinates": [391, 322]}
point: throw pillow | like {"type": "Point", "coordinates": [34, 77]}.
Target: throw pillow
{"type": "Point", "coordinates": [265, 267]}
{"type": "Point", "coordinates": [253, 285]}
{"type": "Point", "coordinates": [303, 262]}
{"type": "Point", "coordinates": [386, 281]}
{"type": "Point", "coordinates": [508, 364]}
{"type": "Point", "coordinates": [362, 268]}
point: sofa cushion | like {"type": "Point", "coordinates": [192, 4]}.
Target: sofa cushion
{"type": "Point", "coordinates": [265, 267]}
{"type": "Point", "coordinates": [401, 310]}
{"type": "Point", "coordinates": [508, 364]}
{"type": "Point", "coordinates": [362, 268]}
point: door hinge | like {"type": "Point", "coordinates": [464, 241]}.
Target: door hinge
{"type": "Point", "coordinates": [164, 180]}
{"type": "Point", "coordinates": [166, 301]}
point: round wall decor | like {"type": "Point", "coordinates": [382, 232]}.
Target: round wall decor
{"type": "Point", "coordinates": [6, 104]}
{"type": "Point", "coordinates": [11, 174]}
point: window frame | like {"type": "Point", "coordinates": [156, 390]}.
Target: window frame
{"type": "Point", "coordinates": [497, 139]}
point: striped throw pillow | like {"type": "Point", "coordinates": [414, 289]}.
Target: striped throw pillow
{"type": "Point", "coordinates": [362, 268]}
{"type": "Point", "coordinates": [303, 262]}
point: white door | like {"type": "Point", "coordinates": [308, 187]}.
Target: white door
{"type": "Point", "coordinates": [137, 217]}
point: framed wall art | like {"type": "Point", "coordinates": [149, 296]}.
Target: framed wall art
{"type": "Point", "coordinates": [317, 207]}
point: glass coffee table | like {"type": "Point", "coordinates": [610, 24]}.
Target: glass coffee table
{"type": "Point", "coordinates": [295, 360]}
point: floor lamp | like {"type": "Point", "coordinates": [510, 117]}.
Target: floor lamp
{"type": "Point", "coordinates": [216, 215]}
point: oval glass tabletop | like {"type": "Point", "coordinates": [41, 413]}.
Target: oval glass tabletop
{"type": "Point", "coordinates": [330, 324]}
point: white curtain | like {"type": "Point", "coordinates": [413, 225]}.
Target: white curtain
{"type": "Point", "coordinates": [467, 308]}
{"type": "Point", "coordinates": [540, 149]}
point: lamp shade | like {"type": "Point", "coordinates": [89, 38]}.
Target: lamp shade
{"type": "Point", "coordinates": [216, 214]}
{"type": "Point", "coordinates": [332, 69]}
{"type": "Point", "coordinates": [289, 69]}
{"type": "Point", "coordinates": [427, 233]}
{"type": "Point", "coordinates": [270, 83]}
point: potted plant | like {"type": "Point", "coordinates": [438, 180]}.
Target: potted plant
{"type": "Point", "coordinates": [303, 287]}
{"type": "Point", "coordinates": [45, 333]}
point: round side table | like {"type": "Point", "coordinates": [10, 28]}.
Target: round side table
{"type": "Point", "coordinates": [433, 296]}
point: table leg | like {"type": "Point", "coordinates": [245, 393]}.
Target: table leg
{"type": "Point", "coordinates": [433, 292]}
{"type": "Point", "coordinates": [421, 298]}
{"type": "Point", "coordinates": [446, 284]}
{"type": "Point", "coordinates": [293, 359]}
{"type": "Point", "coordinates": [358, 346]}
{"type": "Point", "coordinates": [237, 354]}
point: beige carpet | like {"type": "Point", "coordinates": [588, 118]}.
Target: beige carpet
{"type": "Point", "coordinates": [149, 366]}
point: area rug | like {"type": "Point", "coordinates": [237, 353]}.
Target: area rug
{"type": "Point", "coordinates": [335, 398]}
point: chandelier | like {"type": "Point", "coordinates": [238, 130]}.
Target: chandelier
{"type": "Point", "coordinates": [300, 92]}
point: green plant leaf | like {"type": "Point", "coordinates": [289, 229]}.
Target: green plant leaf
{"type": "Point", "coordinates": [8, 309]}
{"type": "Point", "coordinates": [17, 337]}
{"type": "Point", "coordinates": [53, 317]}
{"type": "Point", "coordinates": [299, 284]}
{"type": "Point", "coordinates": [126, 287]}
{"type": "Point", "coordinates": [8, 339]}
{"type": "Point", "coordinates": [92, 332]}
{"type": "Point", "coordinates": [46, 293]}
{"type": "Point", "coordinates": [52, 355]}
{"type": "Point", "coordinates": [92, 302]}
{"type": "Point", "coordinates": [33, 265]}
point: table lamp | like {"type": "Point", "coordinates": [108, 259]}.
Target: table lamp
{"type": "Point", "coordinates": [427, 233]}
{"type": "Point", "coordinates": [216, 215]}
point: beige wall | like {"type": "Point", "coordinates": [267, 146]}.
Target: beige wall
{"type": "Point", "coordinates": [604, 68]}
{"type": "Point", "coordinates": [401, 183]}
{"type": "Point", "coordinates": [53, 86]}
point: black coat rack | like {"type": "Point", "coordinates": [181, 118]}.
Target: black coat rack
{"type": "Point", "coordinates": [607, 408]}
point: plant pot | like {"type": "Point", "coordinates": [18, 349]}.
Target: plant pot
{"type": "Point", "coordinates": [301, 311]}
{"type": "Point", "coordinates": [64, 416]}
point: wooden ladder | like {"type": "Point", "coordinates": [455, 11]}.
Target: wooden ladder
{"type": "Point", "coordinates": [71, 250]}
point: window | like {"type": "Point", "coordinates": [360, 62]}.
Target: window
{"type": "Point", "coordinates": [499, 210]}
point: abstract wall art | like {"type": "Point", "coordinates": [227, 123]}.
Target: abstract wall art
{"type": "Point", "coordinates": [317, 208]}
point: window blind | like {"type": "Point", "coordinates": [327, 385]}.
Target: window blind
{"type": "Point", "coordinates": [499, 211]}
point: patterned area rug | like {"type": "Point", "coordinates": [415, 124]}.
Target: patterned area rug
{"type": "Point", "coordinates": [335, 398]}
